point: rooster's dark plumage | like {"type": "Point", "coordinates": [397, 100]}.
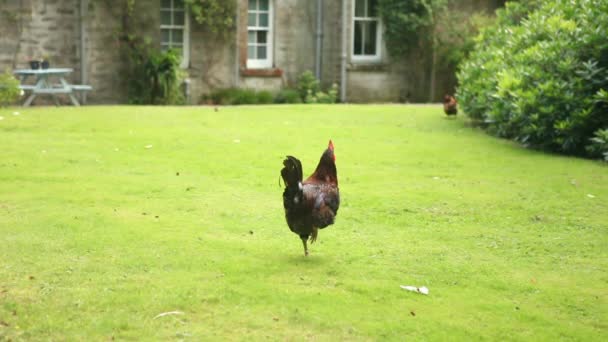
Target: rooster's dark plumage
{"type": "Point", "coordinates": [311, 204]}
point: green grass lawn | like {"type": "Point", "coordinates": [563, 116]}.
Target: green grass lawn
{"type": "Point", "coordinates": [110, 216]}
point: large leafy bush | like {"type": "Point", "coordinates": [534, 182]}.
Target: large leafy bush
{"type": "Point", "coordinates": [540, 74]}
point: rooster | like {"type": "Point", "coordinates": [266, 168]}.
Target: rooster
{"type": "Point", "coordinates": [311, 204]}
{"type": "Point", "coordinates": [450, 105]}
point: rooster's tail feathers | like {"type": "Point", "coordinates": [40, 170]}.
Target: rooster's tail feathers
{"type": "Point", "coordinates": [292, 171]}
{"type": "Point", "coordinates": [292, 176]}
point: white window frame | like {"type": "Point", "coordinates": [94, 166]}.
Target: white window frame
{"type": "Point", "coordinates": [266, 63]}
{"type": "Point", "coordinates": [185, 60]}
{"type": "Point", "coordinates": [377, 57]}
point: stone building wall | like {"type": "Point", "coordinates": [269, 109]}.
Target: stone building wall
{"type": "Point", "coordinates": [32, 28]}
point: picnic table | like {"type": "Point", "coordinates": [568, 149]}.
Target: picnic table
{"type": "Point", "coordinates": [49, 81]}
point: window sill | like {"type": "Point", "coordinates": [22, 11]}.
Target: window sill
{"type": "Point", "coordinates": [272, 72]}
{"type": "Point", "coordinates": [367, 66]}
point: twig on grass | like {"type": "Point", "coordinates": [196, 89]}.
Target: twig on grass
{"type": "Point", "coordinates": [168, 313]}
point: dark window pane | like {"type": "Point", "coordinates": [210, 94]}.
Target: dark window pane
{"type": "Point", "coordinates": [373, 8]}
{"type": "Point", "coordinates": [164, 47]}
{"type": "Point", "coordinates": [262, 37]}
{"type": "Point", "coordinates": [178, 18]}
{"type": "Point", "coordinates": [263, 20]}
{"type": "Point", "coordinates": [263, 5]}
{"type": "Point", "coordinates": [178, 4]}
{"type": "Point", "coordinates": [165, 4]}
{"type": "Point", "coordinates": [165, 36]}
{"type": "Point", "coordinates": [252, 5]}
{"type": "Point", "coordinates": [262, 52]}
{"type": "Point", "coordinates": [370, 38]}
{"type": "Point", "coordinates": [358, 38]}
{"type": "Point", "coordinates": [360, 8]}
{"type": "Point", "coordinates": [165, 18]}
{"type": "Point", "coordinates": [178, 36]}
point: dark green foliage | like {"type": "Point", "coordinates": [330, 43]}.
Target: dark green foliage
{"type": "Point", "coordinates": [403, 23]}
{"type": "Point", "coordinates": [599, 144]}
{"type": "Point", "coordinates": [9, 89]}
{"type": "Point", "coordinates": [222, 96]}
{"type": "Point", "coordinates": [455, 33]}
{"type": "Point", "coordinates": [244, 96]}
{"type": "Point", "coordinates": [288, 96]}
{"type": "Point", "coordinates": [537, 75]}
{"type": "Point", "coordinates": [155, 77]}
{"type": "Point", "coordinates": [265, 97]}
{"type": "Point", "coordinates": [237, 96]}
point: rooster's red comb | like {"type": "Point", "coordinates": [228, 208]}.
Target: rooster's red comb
{"type": "Point", "coordinates": [331, 145]}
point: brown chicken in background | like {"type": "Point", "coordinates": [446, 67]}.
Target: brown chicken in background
{"type": "Point", "coordinates": [311, 204]}
{"type": "Point", "coordinates": [450, 105]}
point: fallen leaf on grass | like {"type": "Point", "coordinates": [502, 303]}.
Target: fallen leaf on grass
{"type": "Point", "coordinates": [590, 196]}
{"type": "Point", "coordinates": [148, 146]}
{"type": "Point", "coordinates": [424, 290]}
{"type": "Point", "coordinates": [16, 113]}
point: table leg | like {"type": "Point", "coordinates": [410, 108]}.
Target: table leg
{"type": "Point", "coordinates": [74, 100]}
{"type": "Point", "coordinates": [71, 93]}
{"type": "Point", "coordinates": [29, 100]}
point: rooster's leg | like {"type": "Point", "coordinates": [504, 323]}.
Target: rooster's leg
{"type": "Point", "coordinates": [305, 246]}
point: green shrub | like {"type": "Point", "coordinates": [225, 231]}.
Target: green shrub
{"type": "Point", "coordinates": [9, 89]}
{"type": "Point", "coordinates": [244, 96]}
{"type": "Point", "coordinates": [156, 77]}
{"type": "Point", "coordinates": [222, 96]}
{"type": "Point", "coordinates": [288, 96]}
{"type": "Point", "coordinates": [265, 97]}
{"type": "Point", "coordinates": [321, 97]}
{"type": "Point", "coordinates": [307, 84]}
{"type": "Point", "coordinates": [310, 91]}
{"type": "Point", "coordinates": [599, 144]}
{"type": "Point", "coordinates": [237, 96]}
{"type": "Point", "coordinates": [537, 75]}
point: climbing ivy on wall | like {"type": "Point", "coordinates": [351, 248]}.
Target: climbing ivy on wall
{"type": "Point", "coordinates": [405, 21]}
{"type": "Point", "coordinates": [155, 77]}
{"type": "Point", "coordinates": [218, 16]}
